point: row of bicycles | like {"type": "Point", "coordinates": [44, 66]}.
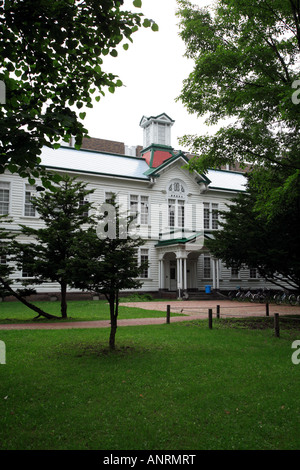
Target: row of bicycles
{"type": "Point", "coordinates": [265, 295]}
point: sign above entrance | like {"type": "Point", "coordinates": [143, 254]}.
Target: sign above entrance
{"type": "Point", "coordinates": [176, 190]}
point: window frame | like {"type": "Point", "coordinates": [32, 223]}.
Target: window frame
{"type": "Point", "coordinates": [205, 276]}
{"type": "Point", "coordinates": [211, 216]}
{"type": "Point", "coordinates": [139, 211]}
{"type": "Point", "coordinates": [32, 190]}
{"type": "Point", "coordinates": [7, 188]}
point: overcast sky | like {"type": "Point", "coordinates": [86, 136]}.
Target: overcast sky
{"type": "Point", "coordinates": [152, 71]}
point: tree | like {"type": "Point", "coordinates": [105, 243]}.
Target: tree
{"type": "Point", "coordinates": [52, 250]}
{"type": "Point", "coordinates": [246, 73]}
{"type": "Point", "coordinates": [249, 238]}
{"type": "Point", "coordinates": [9, 253]}
{"type": "Point", "coordinates": [51, 63]}
{"type": "Point", "coordinates": [112, 263]}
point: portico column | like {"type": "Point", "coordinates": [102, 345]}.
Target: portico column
{"type": "Point", "coordinates": [162, 271]}
{"type": "Point", "coordinates": [184, 274]}
{"type": "Point", "coordinates": [218, 274]}
{"type": "Point", "coordinates": [159, 274]}
{"type": "Point", "coordinates": [214, 273]}
{"type": "Point", "coordinates": [179, 275]}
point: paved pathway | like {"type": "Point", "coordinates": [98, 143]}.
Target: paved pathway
{"type": "Point", "coordinates": [192, 310]}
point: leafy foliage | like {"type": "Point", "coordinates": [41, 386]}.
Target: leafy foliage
{"type": "Point", "coordinates": [52, 63]}
{"type": "Point", "coordinates": [246, 58]}
{"type": "Point", "coordinates": [249, 238]}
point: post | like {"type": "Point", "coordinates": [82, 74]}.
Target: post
{"type": "Point", "coordinates": [168, 313]}
{"type": "Point", "coordinates": [267, 309]}
{"type": "Point", "coordinates": [276, 324]}
{"type": "Point", "coordinates": [218, 311]}
{"type": "Point", "coordinates": [210, 318]}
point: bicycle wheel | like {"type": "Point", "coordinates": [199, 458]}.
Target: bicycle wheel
{"type": "Point", "coordinates": [277, 298]}
{"type": "Point", "coordinates": [259, 298]}
{"type": "Point", "coordinates": [292, 299]}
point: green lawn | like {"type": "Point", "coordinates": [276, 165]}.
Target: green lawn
{"type": "Point", "coordinates": [166, 387]}
{"type": "Point", "coordinates": [16, 312]}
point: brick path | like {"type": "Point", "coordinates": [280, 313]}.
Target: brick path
{"type": "Point", "coordinates": [192, 310]}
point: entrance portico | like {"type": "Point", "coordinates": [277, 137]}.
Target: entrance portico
{"type": "Point", "coordinates": [178, 259]}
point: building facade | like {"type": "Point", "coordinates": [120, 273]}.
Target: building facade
{"type": "Point", "coordinates": [177, 210]}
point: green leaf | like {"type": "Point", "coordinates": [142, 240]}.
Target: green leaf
{"type": "Point", "coordinates": [82, 115]}
{"type": "Point", "coordinates": [146, 23]}
{"type": "Point", "coordinates": [137, 3]}
{"type": "Point", "coordinates": [155, 27]}
{"type": "Point", "coordinates": [125, 47]}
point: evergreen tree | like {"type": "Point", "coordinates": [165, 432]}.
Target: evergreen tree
{"type": "Point", "coordinates": [249, 238]}
{"type": "Point", "coordinates": [51, 250]}
{"type": "Point", "coordinates": [9, 260]}
{"type": "Point", "coordinates": [112, 260]}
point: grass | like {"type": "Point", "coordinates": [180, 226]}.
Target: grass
{"type": "Point", "coordinates": [166, 387]}
{"type": "Point", "coordinates": [87, 310]}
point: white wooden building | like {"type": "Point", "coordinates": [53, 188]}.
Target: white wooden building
{"type": "Point", "coordinates": [177, 209]}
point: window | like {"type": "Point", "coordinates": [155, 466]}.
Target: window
{"type": "Point", "coordinates": [176, 213]}
{"type": "Point", "coordinates": [26, 272]}
{"type": "Point", "coordinates": [29, 209]}
{"type": "Point", "coordinates": [4, 198]}
{"type": "Point", "coordinates": [109, 197]}
{"type": "Point", "coordinates": [206, 215]}
{"type": "Point", "coordinates": [171, 212]}
{"type": "Point", "coordinates": [214, 217]}
{"type": "Point", "coordinates": [211, 216]}
{"type": "Point", "coordinates": [253, 273]}
{"type": "Point", "coordinates": [139, 206]}
{"type": "Point", "coordinates": [82, 202]}
{"type": "Point", "coordinates": [162, 134]}
{"type": "Point", "coordinates": [180, 213]}
{"type": "Point", "coordinates": [206, 267]}
{"type": "Point", "coordinates": [144, 258]}
{"type": "Point", "coordinates": [144, 210]}
{"type": "Point", "coordinates": [234, 272]}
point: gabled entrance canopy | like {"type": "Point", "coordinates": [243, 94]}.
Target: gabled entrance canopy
{"type": "Point", "coordinates": [178, 256]}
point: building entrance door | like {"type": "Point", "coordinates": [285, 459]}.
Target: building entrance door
{"type": "Point", "coordinates": [173, 276]}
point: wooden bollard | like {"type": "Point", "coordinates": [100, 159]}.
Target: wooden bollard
{"type": "Point", "coordinates": [267, 309]}
{"type": "Point", "coordinates": [210, 318]}
{"type": "Point", "coordinates": [276, 324]}
{"type": "Point", "coordinates": [218, 311]}
{"type": "Point", "coordinates": [168, 313]}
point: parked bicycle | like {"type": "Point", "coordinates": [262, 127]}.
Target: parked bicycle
{"type": "Point", "coordinates": [241, 295]}
{"type": "Point", "coordinates": [284, 297]}
{"type": "Point", "coordinates": [263, 295]}
{"type": "Point", "coordinates": [294, 299]}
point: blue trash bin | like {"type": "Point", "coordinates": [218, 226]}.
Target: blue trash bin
{"type": "Point", "coordinates": [208, 289]}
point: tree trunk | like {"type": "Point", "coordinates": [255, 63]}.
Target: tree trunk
{"type": "Point", "coordinates": [28, 304]}
{"type": "Point", "coordinates": [63, 302]}
{"type": "Point", "coordinates": [113, 320]}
